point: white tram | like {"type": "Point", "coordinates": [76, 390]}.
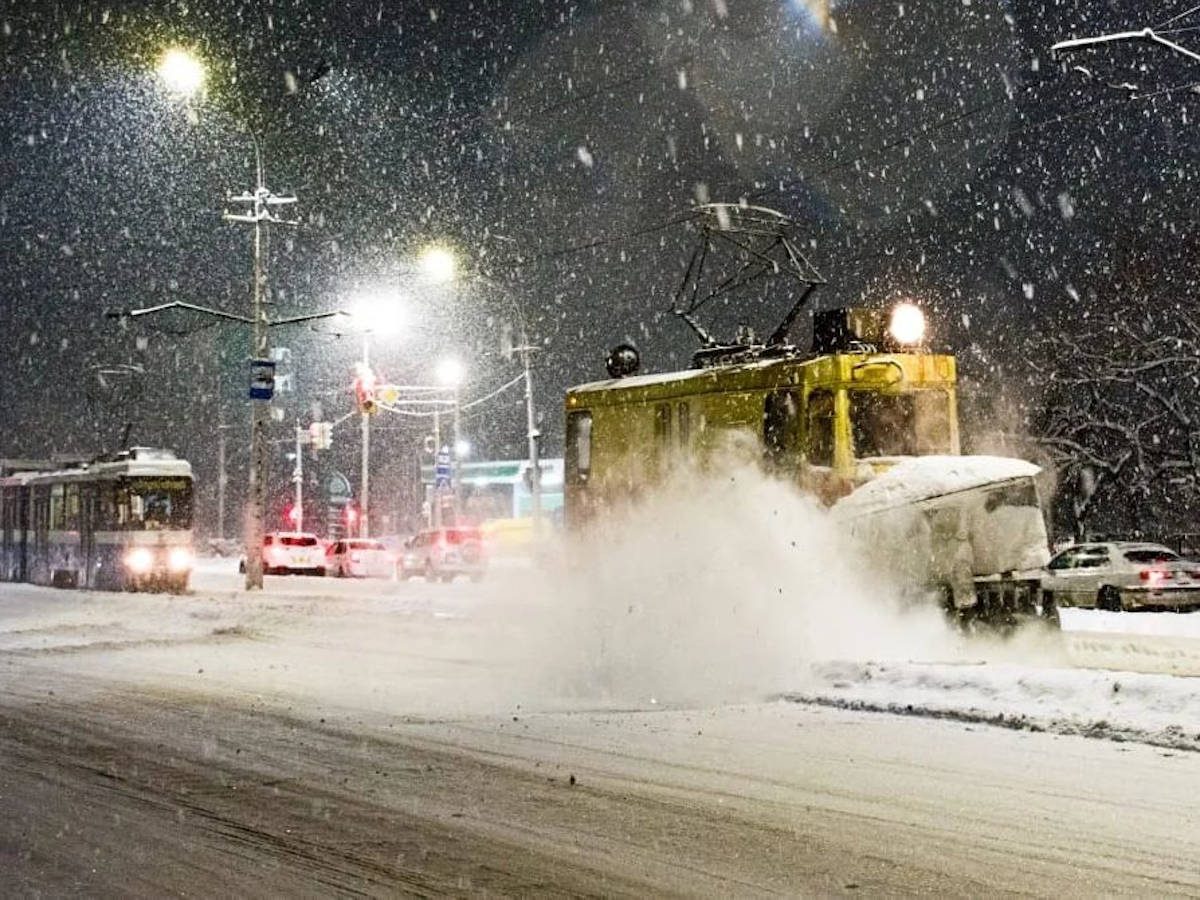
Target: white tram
{"type": "Point", "coordinates": [119, 523]}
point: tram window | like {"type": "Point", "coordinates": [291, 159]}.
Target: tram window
{"type": "Point", "coordinates": [57, 508]}
{"type": "Point", "coordinates": [781, 413]}
{"type": "Point", "coordinates": [159, 503]}
{"type": "Point", "coordinates": [913, 424]}
{"type": "Point", "coordinates": [818, 443]}
{"type": "Point", "coordinates": [578, 463]}
{"type": "Point", "coordinates": [71, 508]}
{"type": "Point", "coordinates": [662, 424]}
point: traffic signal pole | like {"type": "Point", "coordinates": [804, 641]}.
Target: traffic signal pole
{"type": "Point", "coordinates": [298, 477]}
{"type": "Point", "coordinates": [364, 500]}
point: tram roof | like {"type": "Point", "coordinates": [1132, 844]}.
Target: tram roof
{"type": "Point", "coordinates": [138, 462]}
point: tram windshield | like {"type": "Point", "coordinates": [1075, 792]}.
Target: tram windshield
{"type": "Point", "coordinates": [147, 503]}
{"type": "Point", "coordinates": [911, 424]}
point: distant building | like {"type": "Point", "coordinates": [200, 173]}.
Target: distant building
{"type": "Point", "coordinates": [501, 489]}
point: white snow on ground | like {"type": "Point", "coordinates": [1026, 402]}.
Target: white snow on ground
{"type": "Point", "coordinates": [1156, 709]}
{"type": "Point", "coordinates": [731, 594]}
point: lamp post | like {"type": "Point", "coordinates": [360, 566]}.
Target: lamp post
{"type": "Point", "coordinates": [184, 74]}
{"type": "Point", "coordinates": [450, 374]}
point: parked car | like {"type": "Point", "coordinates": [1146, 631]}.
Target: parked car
{"type": "Point", "coordinates": [1122, 575]}
{"type": "Point", "coordinates": [359, 558]}
{"type": "Point", "coordinates": [291, 553]}
{"type": "Point", "coordinates": [443, 553]}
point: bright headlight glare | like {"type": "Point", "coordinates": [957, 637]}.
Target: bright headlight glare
{"type": "Point", "coordinates": [179, 559]}
{"type": "Point", "coordinates": [908, 324]}
{"type": "Point", "coordinates": [139, 561]}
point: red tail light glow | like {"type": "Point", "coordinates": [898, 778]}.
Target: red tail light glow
{"type": "Point", "coordinates": [1153, 576]}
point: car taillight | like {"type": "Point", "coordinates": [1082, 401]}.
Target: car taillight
{"type": "Point", "coordinates": [1153, 576]}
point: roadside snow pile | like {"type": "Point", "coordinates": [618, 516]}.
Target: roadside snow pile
{"type": "Point", "coordinates": [1166, 642]}
{"type": "Point", "coordinates": [1123, 706]}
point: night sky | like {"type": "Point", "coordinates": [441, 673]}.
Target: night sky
{"type": "Point", "coordinates": [930, 149]}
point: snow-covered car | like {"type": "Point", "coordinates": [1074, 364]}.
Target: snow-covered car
{"type": "Point", "coordinates": [359, 558]}
{"type": "Point", "coordinates": [1122, 575]}
{"type": "Point", "coordinates": [443, 553]}
{"type": "Point", "coordinates": [291, 553]}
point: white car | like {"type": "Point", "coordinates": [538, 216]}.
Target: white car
{"type": "Point", "coordinates": [1122, 575]}
{"type": "Point", "coordinates": [359, 558]}
{"type": "Point", "coordinates": [291, 552]}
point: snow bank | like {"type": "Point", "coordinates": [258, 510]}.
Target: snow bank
{"type": "Point", "coordinates": [1123, 706]}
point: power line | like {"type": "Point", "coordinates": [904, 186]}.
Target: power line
{"type": "Point", "coordinates": [1182, 15]}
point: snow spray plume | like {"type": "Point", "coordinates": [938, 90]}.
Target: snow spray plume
{"type": "Point", "coordinates": [724, 588]}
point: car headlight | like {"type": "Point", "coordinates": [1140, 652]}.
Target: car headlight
{"type": "Point", "coordinates": [139, 560]}
{"type": "Point", "coordinates": [908, 324]}
{"type": "Point", "coordinates": [179, 559]}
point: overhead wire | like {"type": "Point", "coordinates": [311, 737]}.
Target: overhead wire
{"type": "Point", "coordinates": [1183, 15]}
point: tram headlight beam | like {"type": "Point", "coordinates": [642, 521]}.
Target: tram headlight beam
{"type": "Point", "coordinates": [907, 325]}
{"type": "Point", "coordinates": [139, 560]}
{"type": "Point", "coordinates": [180, 559]}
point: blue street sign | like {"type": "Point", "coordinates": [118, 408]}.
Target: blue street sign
{"type": "Point", "coordinates": [262, 379]}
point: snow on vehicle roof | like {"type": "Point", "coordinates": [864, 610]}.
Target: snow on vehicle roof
{"type": "Point", "coordinates": [925, 477]}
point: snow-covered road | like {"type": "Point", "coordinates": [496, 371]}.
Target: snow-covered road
{"type": "Point", "coordinates": [339, 736]}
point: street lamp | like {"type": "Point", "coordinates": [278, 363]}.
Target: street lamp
{"type": "Point", "coordinates": [450, 373]}
{"type": "Point", "coordinates": [181, 71]}
{"type": "Point", "coordinates": [381, 314]}
{"type": "Point", "coordinates": [438, 263]}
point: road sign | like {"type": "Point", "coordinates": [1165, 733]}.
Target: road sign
{"type": "Point", "coordinates": [262, 379]}
{"type": "Point", "coordinates": [441, 470]}
{"type": "Point", "coordinates": [338, 488]}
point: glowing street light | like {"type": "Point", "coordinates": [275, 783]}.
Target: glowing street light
{"type": "Point", "coordinates": [181, 71]}
{"type": "Point", "coordinates": [381, 314]}
{"type": "Point", "coordinates": [439, 264]}
{"type": "Point", "coordinates": [450, 372]}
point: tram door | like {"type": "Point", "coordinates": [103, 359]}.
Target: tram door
{"type": "Point", "coordinates": [87, 534]}
{"type": "Point", "coordinates": [22, 535]}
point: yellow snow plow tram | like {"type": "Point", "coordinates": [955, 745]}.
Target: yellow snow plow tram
{"type": "Point", "coordinates": [830, 421]}
{"type": "Point", "coordinates": [864, 399]}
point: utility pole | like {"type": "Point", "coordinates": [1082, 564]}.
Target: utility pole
{"type": "Point", "coordinates": [260, 204]}
{"type": "Point", "coordinates": [298, 477]}
{"type": "Point", "coordinates": [222, 471]}
{"type": "Point", "coordinates": [437, 448]}
{"type": "Point", "coordinates": [455, 484]}
{"type": "Point", "coordinates": [364, 500]}
{"type": "Point", "coordinates": [535, 469]}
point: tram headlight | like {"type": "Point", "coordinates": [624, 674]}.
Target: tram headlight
{"type": "Point", "coordinates": [907, 325]}
{"type": "Point", "coordinates": [139, 560]}
{"type": "Point", "coordinates": [179, 559]}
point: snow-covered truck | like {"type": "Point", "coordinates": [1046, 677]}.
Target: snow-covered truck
{"type": "Point", "coordinates": [967, 530]}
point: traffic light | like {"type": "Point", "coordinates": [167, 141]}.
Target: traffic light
{"type": "Point", "coordinates": [364, 390]}
{"type": "Point", "coordinates": [293, 515]}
